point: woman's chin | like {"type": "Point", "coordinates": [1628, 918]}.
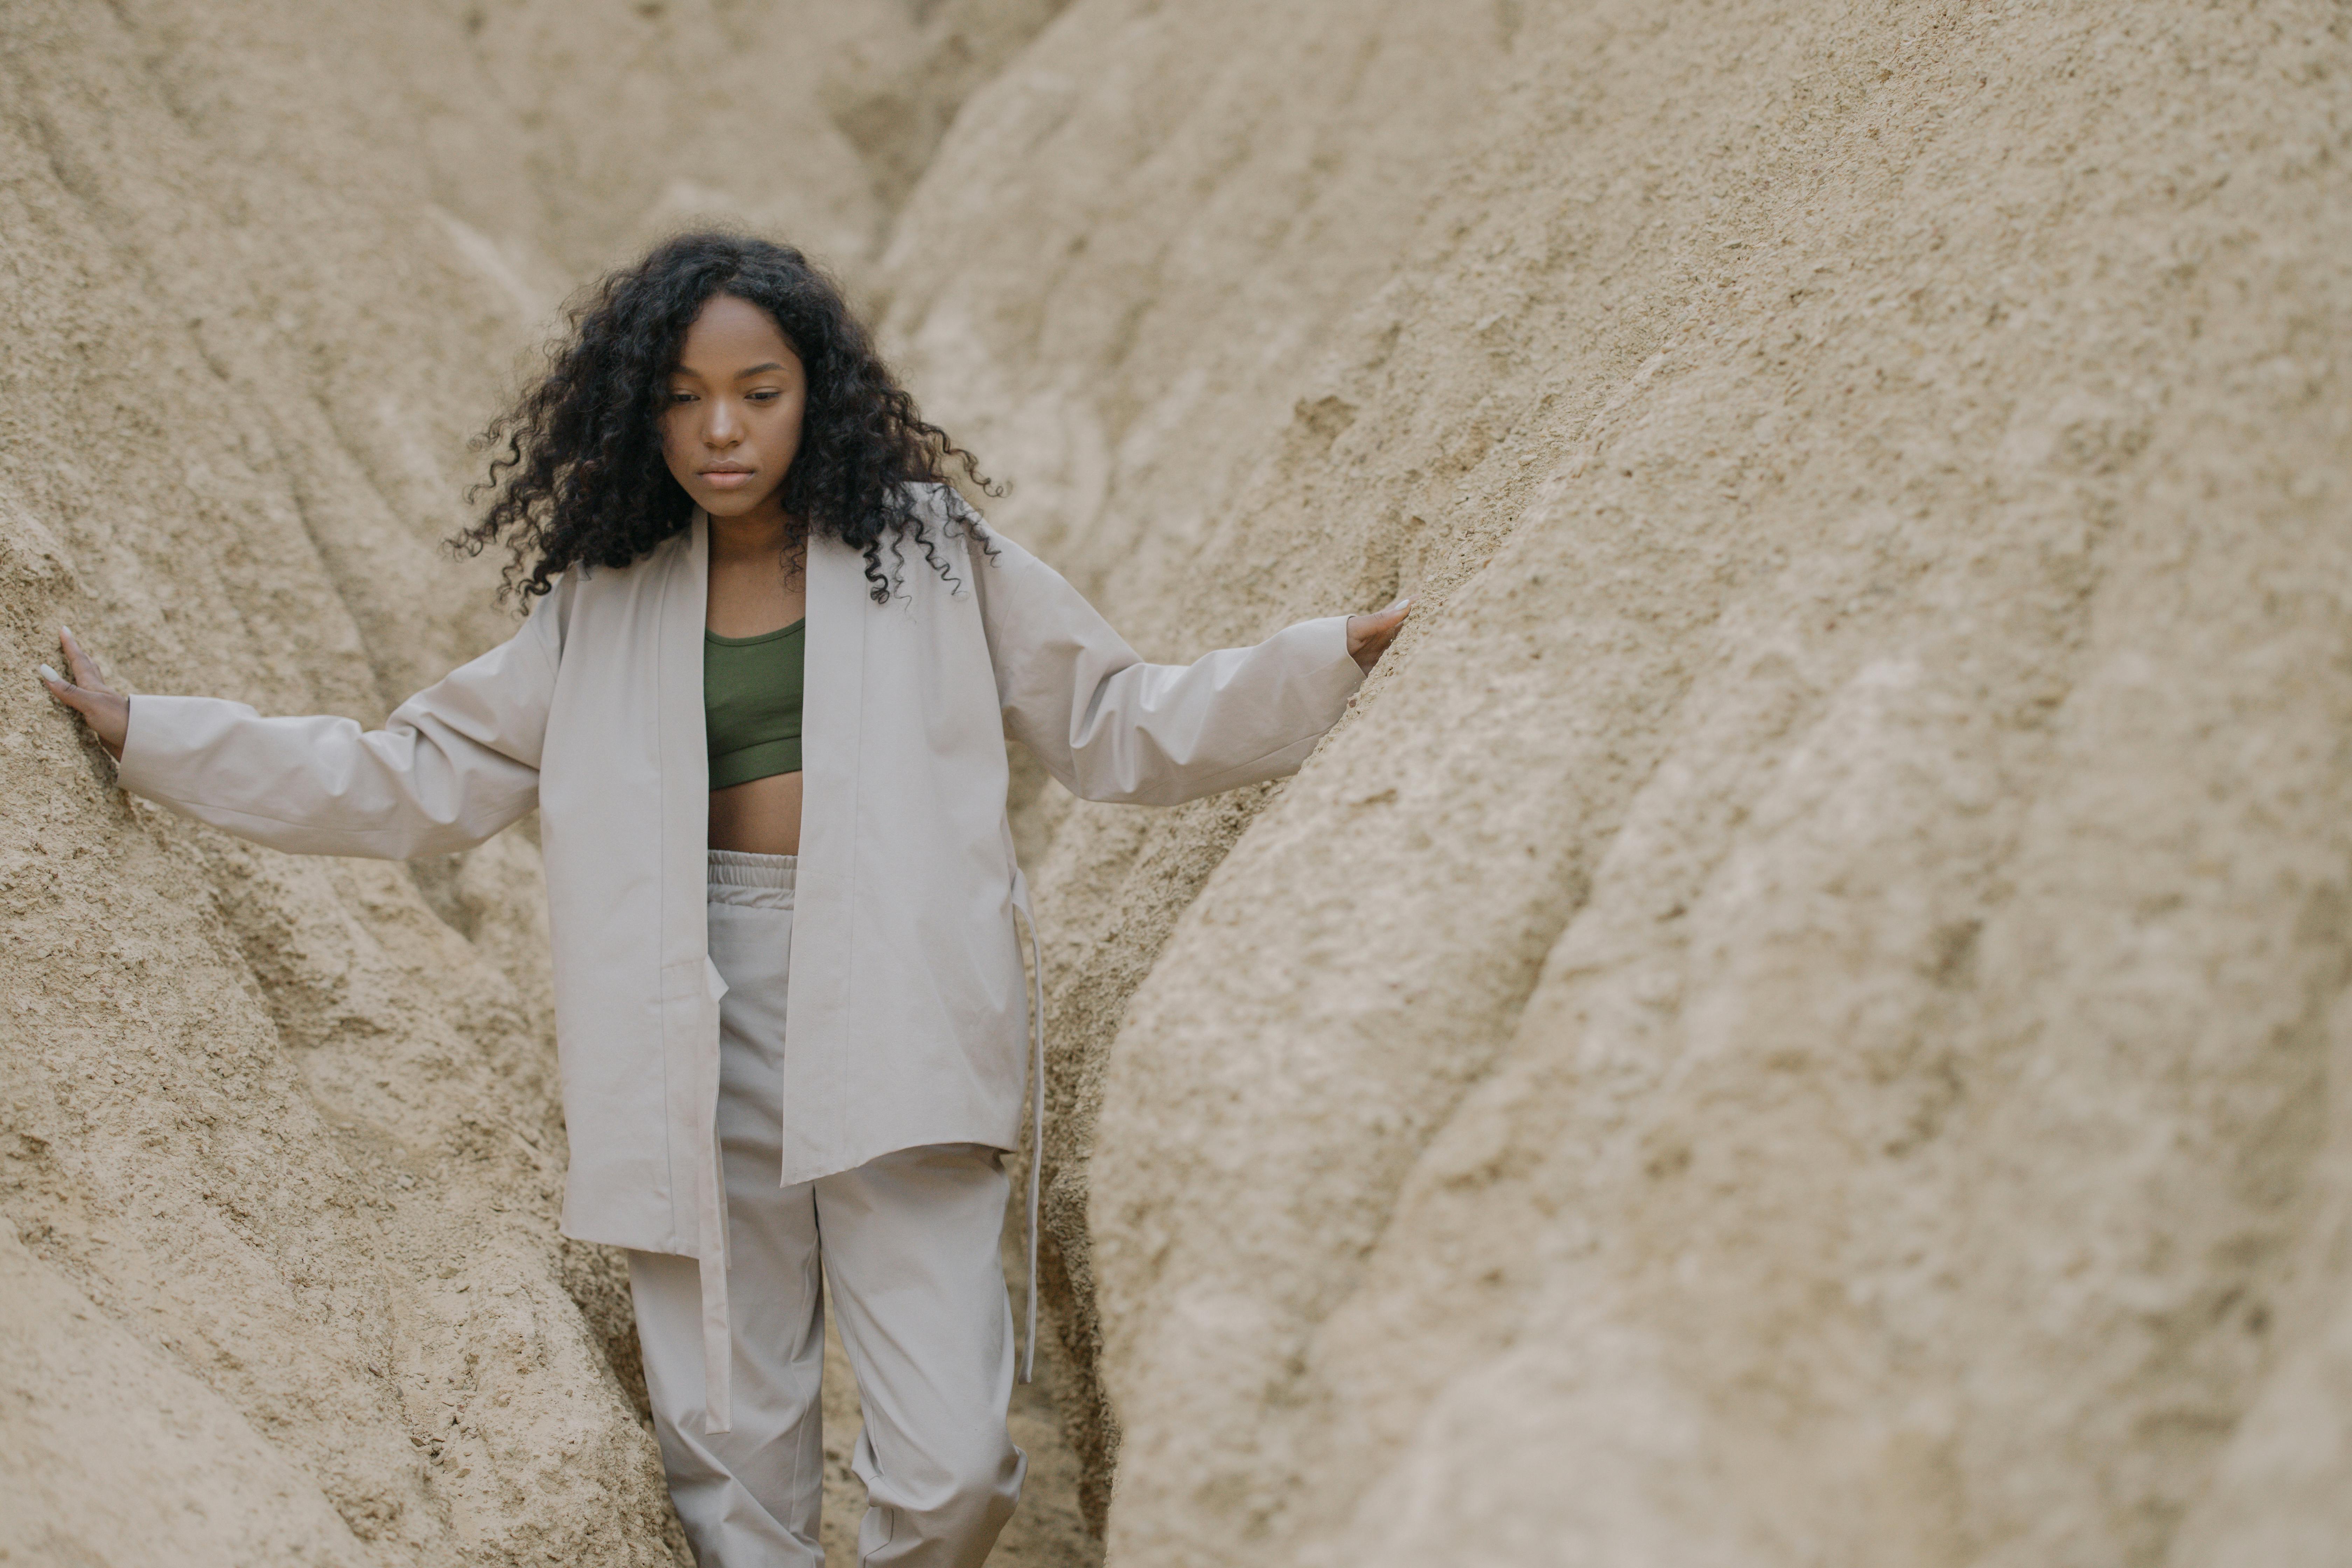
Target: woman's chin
{"type": "Point", "coordinates": [731, 503]}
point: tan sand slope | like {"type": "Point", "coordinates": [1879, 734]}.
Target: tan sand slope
{"type": "Point", "coordinates": [1803, 1019]}
{"type": "Point", "coordinates": [277, 1141]}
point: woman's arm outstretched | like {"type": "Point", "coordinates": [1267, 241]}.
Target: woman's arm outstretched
{"type": "Point", "coordinates": [452, 765]}
{"type": "Point", "coordinates": [1111, 727]}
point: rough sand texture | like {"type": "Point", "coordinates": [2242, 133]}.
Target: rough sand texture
{"type": "Point", "coordinates": [1803, 1019]}
{"type": "Point", "coordinates": [279, 1146]}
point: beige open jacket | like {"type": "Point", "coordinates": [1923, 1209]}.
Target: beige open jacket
{"type": "Point", "coordinates": [906, 1020]}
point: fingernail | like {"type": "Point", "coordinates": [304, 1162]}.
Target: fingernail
{"type": "Point", "coordinates": [48, 674]}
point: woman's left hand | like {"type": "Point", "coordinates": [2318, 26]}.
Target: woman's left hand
{"type": "Point", "coordinates": [1368, 636]}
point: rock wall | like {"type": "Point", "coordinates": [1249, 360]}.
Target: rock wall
{"type": "Point", "coordinates": [1802, 1018]}
{"type": "Point", "coordinates": [278, 1144]}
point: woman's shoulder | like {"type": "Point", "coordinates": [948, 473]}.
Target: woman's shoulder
{"type": "Point", "coordinates": [587, 588]}
{"type": "Point", "coordinates": [583, 578]}
{"type": "Point", "coordinates": [942, 505]}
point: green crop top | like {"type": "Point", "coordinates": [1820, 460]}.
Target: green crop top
{"type": "Point", "coordinates": [752, 703]}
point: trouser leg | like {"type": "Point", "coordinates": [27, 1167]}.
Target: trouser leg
{"type": "Point", "coordinates": [749, 1498]}
{"type": "Point", "coordinates": [910, 1247]}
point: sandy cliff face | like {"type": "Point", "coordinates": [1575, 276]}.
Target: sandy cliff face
{"type": "Point", "coordinates": [279, 1147]}
{"type": "Point", "coordinates": [280, 1142]}
{"type": "Point", "coordinates": [1802, 1018]}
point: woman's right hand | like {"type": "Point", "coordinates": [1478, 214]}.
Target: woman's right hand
{"type": "Point", "coordinates": [105, 710]}
{"type": "Point", "coordinates": [1368, 636]}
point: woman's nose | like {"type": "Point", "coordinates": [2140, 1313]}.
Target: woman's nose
{"type": "Point", "coordinates": [719, 426]}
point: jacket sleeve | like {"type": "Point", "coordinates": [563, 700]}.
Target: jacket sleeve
{"type": "Point", "coordinates": [452, 765]}
{"type": "Point", "coordinates": [1111, 727]}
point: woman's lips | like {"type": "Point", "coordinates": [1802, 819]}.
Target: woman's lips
{"type": "Point", "coordinates": [727, 478]}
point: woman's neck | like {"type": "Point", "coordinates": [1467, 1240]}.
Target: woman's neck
{"type": "Point", "coordinates": [766, 532]}
{"type": "Point", "coordinates": [756, 574]}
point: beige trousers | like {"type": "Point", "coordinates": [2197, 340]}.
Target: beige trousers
{"type": "Point", "coordinates": [908, 1242]}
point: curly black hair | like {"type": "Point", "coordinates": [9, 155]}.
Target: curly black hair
{"type": "Point", "coordinates": [577, 467]}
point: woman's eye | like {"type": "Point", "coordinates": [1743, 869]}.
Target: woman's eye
{"type": "Point", "coordinates": [765, 396]}
{"type": "Point", "coordinates": [681, 397]}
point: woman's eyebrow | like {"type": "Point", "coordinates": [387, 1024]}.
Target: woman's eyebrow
{"type": "Point", "coordinates": [740, 375]}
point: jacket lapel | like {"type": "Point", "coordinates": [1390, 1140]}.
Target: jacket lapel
{"type": "Point", "coordinates": [691, 983]}
{"type": "Point", "coordinates": [684, 755]}
{"type": "Point", "coordinates": [832, 721]}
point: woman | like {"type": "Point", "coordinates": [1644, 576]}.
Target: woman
{"type": "Point", "coordinates": [759, 702]}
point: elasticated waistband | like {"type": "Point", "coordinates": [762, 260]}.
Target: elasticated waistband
{"type": "Point", "coordinates": [753, 881]}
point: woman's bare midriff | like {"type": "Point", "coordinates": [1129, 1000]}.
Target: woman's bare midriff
{"type": "Point", "coordinates": [759, 817]}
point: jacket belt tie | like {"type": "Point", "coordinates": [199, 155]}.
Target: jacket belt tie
{"type": "Point", "coordinates": [1036, 1113]}
{"type": "Point", "coordinates": [710, 1254]}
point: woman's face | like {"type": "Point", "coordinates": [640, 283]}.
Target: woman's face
{"type": "Point", "coordinates": [733, 424]}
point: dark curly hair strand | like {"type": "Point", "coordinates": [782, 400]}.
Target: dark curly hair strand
{"type": "Point", "coordinates": [576, 464]}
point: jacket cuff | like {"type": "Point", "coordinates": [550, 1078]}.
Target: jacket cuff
{"type": "Point", "coordinates": [135, 769]}
{"type": "Point", "coordinates": [154, 746]}
{"type": "Point", "coordinates": [1337, 670]}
